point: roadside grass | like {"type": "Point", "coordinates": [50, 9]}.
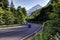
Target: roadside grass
{"type": "Point", "coordinates": [46, 33]}
{"type": "Point", "coordinates": [39, 37]}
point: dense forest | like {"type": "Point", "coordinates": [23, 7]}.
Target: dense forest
{"type": "Point", "coordinates": [51, 16]}
{"type": "Point", "coordinates": [10, 15]}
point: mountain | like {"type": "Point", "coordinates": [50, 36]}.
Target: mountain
{"type": "Point", "coordinates": [33, 9]}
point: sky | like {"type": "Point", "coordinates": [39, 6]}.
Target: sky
{"type": "Point", "coordinates": [29, 3]}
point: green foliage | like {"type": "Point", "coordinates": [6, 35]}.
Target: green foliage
{"type": "Point", "coordinates": [13, 17]}
{"type": "Point", "coordinates": [50, 15]}
{"type": "Point", "coordinates": [47, 30]}
{"type": "Point", "coordinates": [53, 16]}
{"type": "Point", "coordinates": [5, 3]}
{"type": "Point", "coordinates": [41, 15]}
{"type": "Point", "coordinates": [38, 37]}
{"type": "Point", "coordinates": [6, 17]}
{"type": "Point", "coordinates": [34, 14]}
{"type": "Point", "coordinates": [2, 21]}
{"type": "Point", "coordinates": [9, 18]}
{"type": "Point", "coordinates": [12, 7]}
{"type": "Point", "coordinates": [50, 31]}
{"type": "Point", "coordinates": [24, 15]}
{"type": "Point", "coordinates": [24, 11]}
{"type": "Point", "coordinates": [20, 15]}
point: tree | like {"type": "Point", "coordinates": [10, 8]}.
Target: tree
{"type": "Point", "coordinates": [24, 12]}
{"type": "Point", "coordinates": [2, 21]}
{"type": "Point", "coordinates": [12, 7]}
{"type": "Point", "coordinates": [21, 15]}
{"type": "Point", "coordinates": [19, 7]}
{"type": "Point", "coordinates": [5, 3]}
{"type": "Point", "coordinates": [6, 17]}
{"type": "Point", "coordinates": [54, 21]}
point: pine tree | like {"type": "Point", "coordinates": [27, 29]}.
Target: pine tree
{"type": "Point", "coordinates": [5, 3]}
{"type": "Point", "coordinates": [24, 11]}
{"type": "Point", "coordinates": [12, 5]}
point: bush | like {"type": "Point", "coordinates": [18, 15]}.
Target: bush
{"type": "Point", "coordinates": [53, 16]}
{"type": "Point", "coordinates": [6, 17]}
{"type": "Point", "coordinates": [2, 21]}
{"type": "Point", "coordinates": [48, 30]}
{"type": "Point", "coordinates": [9, 18]}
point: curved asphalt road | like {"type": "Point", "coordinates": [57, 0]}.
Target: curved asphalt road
{"type": "Point", "coordinates": [18, 33]}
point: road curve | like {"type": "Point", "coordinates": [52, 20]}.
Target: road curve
{"type": "Point", "coordinates": [18, 33]}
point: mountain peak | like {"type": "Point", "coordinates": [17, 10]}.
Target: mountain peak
{"type": "Point", "coordinates": [36, 7]}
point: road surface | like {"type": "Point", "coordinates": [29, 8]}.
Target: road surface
{"type": "Point", "coordinates": [18, 33]}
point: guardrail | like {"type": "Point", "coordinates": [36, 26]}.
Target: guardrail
{"type": "Point", "coordinates": [38, 30]}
